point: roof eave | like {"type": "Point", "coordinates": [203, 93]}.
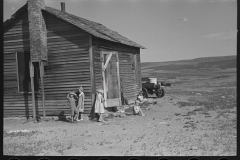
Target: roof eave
{"type": "Point", "coordinates": [48, 9]}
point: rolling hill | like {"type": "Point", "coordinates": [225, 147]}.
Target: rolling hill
{"type": "Point", "coordinates": [222, 62]}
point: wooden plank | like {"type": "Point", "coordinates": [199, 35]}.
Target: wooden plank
{"type": "Point", "coordinates": [92, 74]}
{"type": "Point", "coordinates": [66, 62]}
{"type": "Point", "coordinates": [31, 68]}
{"type": "Point", "coordinates": [73, 66]}
{"type": "Point", "coordinates": [70, 50]}
{"type": "Point", "coordinates": [79, 75]}
{"type": "Point", "coordinates": [61, 87]}
{"type": "Point", "coordinates": [107, 61]}
{"type": "Point", "coordinates": [71, 41]}
{"type": "Point", "coordinates": [76, 54]}
{"type": "Point", "coordinates": [65, 34]}
{"type": "Point", "coordinates": [103, 76]}
{"type": "Point", "coordinates": [66, 47]}
{"type": "Point", "coordinates": [42, 87]}
{"type": "Point", "coordinates": [58, 39]}
{"type": "Point", "coordinates": [119, 83]}
{"type": "Point", "coordinates": [114, 46]}
{"type": "Point", "coordinates": [79, 61]}
{"type": "Point", "coordinates": [48, 87]}
{"type": "Point", "coordinates": [98, 68]}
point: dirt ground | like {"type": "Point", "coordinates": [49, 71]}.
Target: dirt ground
{"type": "Point", "coordinates": [196, 117]}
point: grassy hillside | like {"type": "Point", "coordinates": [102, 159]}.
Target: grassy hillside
{"type": "Point", "coordinates": [182, 71]}
{"type": "Point", "coordinates": [223, 64]}
{"type": "Point", "coordinates": [220, 62]}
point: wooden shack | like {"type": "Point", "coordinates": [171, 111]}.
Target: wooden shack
{"type": "Point", "coordinates": [48, 52]}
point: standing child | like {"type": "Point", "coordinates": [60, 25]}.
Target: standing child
{"type": "Point", "coordinates": [74, 111]}
{"type": "Point", "coordinates": [99, 104]}
{"type": "Point", "coordinates": [80, 105]}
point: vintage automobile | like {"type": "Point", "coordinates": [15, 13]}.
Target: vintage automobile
{"type": "Point", "coordinates": [151, 86]}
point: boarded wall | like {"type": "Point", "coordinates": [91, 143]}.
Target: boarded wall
{"type": "Point", "coordinates": [68, 64]}
{"type": "Point", "coordinates": [68, 67]}
{"type": "Point", "coordinates": [130, 81]}
{"type": "Point", "coordinates": [97, 68]}
{"type": "Point", "coordinates": [16, 38]}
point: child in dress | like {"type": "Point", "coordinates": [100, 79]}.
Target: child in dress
{"type": "Point", "coordinates": [140, 98]}
{"type": "Point", "coordinates": [74, 112]}
{"type": "Point", "coordinates": [80, 105]}
{"type": "Point", "coordinates": [137, 109]}
{"type": "Point", "coordinates": [99, 104]}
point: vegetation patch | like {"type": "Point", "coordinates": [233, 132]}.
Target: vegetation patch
{"type": "Point", "coordinates": [17, 133]}
{"type": "Point", "coordinates": [32, 148]}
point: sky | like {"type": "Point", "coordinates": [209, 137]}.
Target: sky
{"type": "Point", "coordinates": [169, 29]}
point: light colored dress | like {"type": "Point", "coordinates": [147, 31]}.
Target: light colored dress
{"type": "Point", "coordinates": [81, 102]}
{"type": "Point", "coordinates": [99, 108]}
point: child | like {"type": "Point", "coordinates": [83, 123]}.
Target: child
{"type": "Point", "coordinates": [74, 112]}
{"type": "Point", "coordinates": [99, 104]}
{"type": "Point", "coordinates": [140, 99]}
{"type": "Point", "coordinates": [80, 105]}
{"type": "Point", "coordinates": [138, 111]}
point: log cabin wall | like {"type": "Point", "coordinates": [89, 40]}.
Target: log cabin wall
{"type": "Point", "coordinates": [16, 39]}
{"type": "Point", "coordinates": [68, 65]}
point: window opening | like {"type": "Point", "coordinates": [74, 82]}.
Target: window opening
{"type": "Point", "coordinates": [23, 72]}
{"type": "Point", "coordinates": [133, 61]}
{"type": "Point", "coordinates": [24, 81]}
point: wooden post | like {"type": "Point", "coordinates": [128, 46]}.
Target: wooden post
{"type": "Point", "coordinates": [41, 66]}
{"type": "Point", "coordinates": [118, 78]}
{"type": "Point", "coordinates": [31, 67]}
{"type": "Point", "coordinates": [92, 68]}
{"type": "Point", "coordinates": [103, 76]}
{"type": "Point", "coordinates": [108, 58]}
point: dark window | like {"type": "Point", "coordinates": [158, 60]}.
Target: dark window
{"type": "Point", "coordinates": [133, 61]}
{"type": "Point", "coordinates": [24, 81]}
{"type": "Point", "coordinates": [36, 76]}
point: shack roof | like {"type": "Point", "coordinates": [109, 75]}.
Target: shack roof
{"type": "Point", "coordinates": [93, 28]}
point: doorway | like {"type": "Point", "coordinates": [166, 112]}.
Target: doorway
{"type": "Point", "coordinates": [111, 80]}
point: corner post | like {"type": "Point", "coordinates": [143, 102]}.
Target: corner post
{"type": "Point", "coordinates": [41, 66]}
{"type": "Point", "coordinates": [91, 57]}
{"type": "Point", "coordinates": [103, 79]}
{"type": "Point", "coordinates": [31, 67]}
{"type": "Point", "coordinates": [118, 78]}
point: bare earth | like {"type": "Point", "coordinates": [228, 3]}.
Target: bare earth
{"type": "Point", "coordinates": [196, 117]}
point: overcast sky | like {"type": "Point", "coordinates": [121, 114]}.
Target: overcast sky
{"type": "Point", "coordinates": [169, 29]}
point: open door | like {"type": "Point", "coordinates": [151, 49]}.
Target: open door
{"type": "Point", "coordinates": [111, 80]}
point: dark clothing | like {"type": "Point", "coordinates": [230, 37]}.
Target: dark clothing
{"type": "Point", "coordinates": [72, 102]}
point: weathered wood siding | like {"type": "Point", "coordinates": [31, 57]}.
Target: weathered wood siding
{"type": "Point", "coordinates": [97, 68]}
{"type": "Point", "coordinates": [129, 81]}
{"type": "Point", "coordinates": [138, 72]}
{"type": "Point", "coordinates": [68, 64]}
{"type": "Point", "coordinates": [68, 67]}
{"type": "Point", "coordinates": [16, 38]}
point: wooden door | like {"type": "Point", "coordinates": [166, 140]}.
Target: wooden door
{"type": "Point", "coordinates": [111, 82]}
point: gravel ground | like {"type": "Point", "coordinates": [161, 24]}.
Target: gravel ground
{"type": "Point", "coordinates": [192, 119]}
